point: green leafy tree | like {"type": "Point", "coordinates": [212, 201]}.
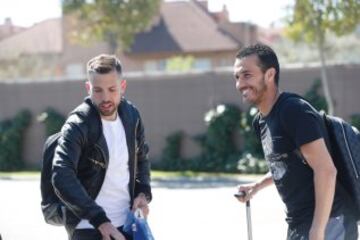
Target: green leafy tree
{"type": "Point", "coordinates": [311, 20]}
{"type": "Point", "coordinates": [115, 21]}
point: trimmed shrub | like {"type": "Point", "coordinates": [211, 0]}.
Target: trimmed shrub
{"type": "Point", "coordinates": [355, 120]}
{"type": "Point", "coordinates": [219, 151]}
{"type": "Point", "coordinates": [251, 164]}
{"type": "Point", "coordinates": [252, 144]}
{"type": "Point", "coordinates": [11, 141]}
{"type": "Point", "coordinates": [171, 159]}
{"type": "Point", "coordinates": [53, 121]}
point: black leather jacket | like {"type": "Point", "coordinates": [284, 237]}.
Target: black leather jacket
{"type": "Point", "coordinates": [80, 162]}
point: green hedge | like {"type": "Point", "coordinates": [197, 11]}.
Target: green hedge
{"type": "Point", "coordinates": [11, 141]}
{"type": "Point", "coordinates": [53, 121]}
{"type": "Point", "coordinates": [251, 143]}
{"type": "Point", "coordinates": [171, 159]}
{"type": "Point", "coordinates": [220, 151]}
{"type": "Point", "coordinates": [250, 164]}
{"type": "Point", "coordinates": [355, 120]}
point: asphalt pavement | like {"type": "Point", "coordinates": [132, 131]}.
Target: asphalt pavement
{"type": "Point", "coordinates": [182, 209]}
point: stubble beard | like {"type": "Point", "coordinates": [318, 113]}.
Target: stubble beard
{"type": "Point", "coordinates": [107, 113]}
{"type": "Point", "coordinates": [259, 94]}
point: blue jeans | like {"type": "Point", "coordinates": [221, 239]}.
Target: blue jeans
{"type": "Point", "coordinates": [93, 234]}
{"type": "Point", "coordinates": [342, 227]}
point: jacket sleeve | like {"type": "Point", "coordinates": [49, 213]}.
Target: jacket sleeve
{"type": "Point", "coordinates": [142, 181]}
{"type": "Point", "coordinates": [64, 175]}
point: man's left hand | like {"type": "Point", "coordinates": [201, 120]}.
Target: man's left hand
{"type": "Point", "coordinates": [141, 202]}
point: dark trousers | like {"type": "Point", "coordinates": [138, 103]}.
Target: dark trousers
{"type": "Point", "coordinates": [94, 234]}
{"type": "Point", "coordinates": [342, 227]}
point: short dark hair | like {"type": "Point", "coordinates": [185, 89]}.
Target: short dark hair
{"type": "Point", "coordinates": [104, 63]}
{"type": "Point", "coordinates": [266, 55]}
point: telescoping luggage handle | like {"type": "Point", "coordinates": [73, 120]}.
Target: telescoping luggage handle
{"type": "Point", "coordinates": [248, 214]}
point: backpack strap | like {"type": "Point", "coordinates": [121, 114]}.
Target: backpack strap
{"type": "Point", "coordinates": [325, 126]}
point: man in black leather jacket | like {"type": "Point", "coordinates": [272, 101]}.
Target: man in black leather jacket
{"type": "Point", "coordinates": [99, 180]}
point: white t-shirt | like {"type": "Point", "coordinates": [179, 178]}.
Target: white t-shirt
{"type": "Point", "coordinates": [114, 195]}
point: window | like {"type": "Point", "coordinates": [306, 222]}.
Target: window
{"type": "Point", "coordinates": [202, 64]}
{"type": "Point", "coordinates": [226, 62]}
{"type": "Point", "coordinates": [75, 70]}
{"type": "Point", "coordinates": [153, 65]}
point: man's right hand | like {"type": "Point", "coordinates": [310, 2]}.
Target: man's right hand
{"type": "Point", "coordinates": [109, 232]}
{"type": "Point", "coordinates": [249, 189]}
{"type": "Point", "coordinates": [252, 188]}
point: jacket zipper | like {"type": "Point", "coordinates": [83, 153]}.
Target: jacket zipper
{"type": "Point", "coordinates": [103, 155]}
{"type": "Point", "coordinates": [104, 166]}
{"type": "Point", "coordinates": [135, 159]}
{"type": "Point", "coordinates": [348, 150]}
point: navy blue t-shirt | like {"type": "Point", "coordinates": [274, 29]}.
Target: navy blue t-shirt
{"type": "Point", "coordinates": [292, 123]}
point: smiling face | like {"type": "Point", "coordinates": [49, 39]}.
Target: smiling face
{"type": "Point", "coordinates": [250, 79]}
{"type": "Point", "coordinates": [105, 91]}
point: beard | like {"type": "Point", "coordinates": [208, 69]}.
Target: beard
{"type": "Point", "coordinates": [255, 94]}
{"type": "Point", "coordinates": [107, 108]}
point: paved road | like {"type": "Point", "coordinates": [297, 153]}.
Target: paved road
{"type": "Point", "coordinates": [180, 210]}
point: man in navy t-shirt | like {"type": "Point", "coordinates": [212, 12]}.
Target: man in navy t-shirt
{"type": "Point", "coordinates": [300, 165]}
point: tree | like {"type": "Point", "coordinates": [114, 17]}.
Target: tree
{"type": "Point", "coordinates": [115, 21]}
{"type": "Point", "coordinates": [311, 20]}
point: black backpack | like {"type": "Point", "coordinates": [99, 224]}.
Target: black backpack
{"type": "Point", "coordinates": [343, 141]}
{"type": "Point", "coordinates": [51, 206]}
